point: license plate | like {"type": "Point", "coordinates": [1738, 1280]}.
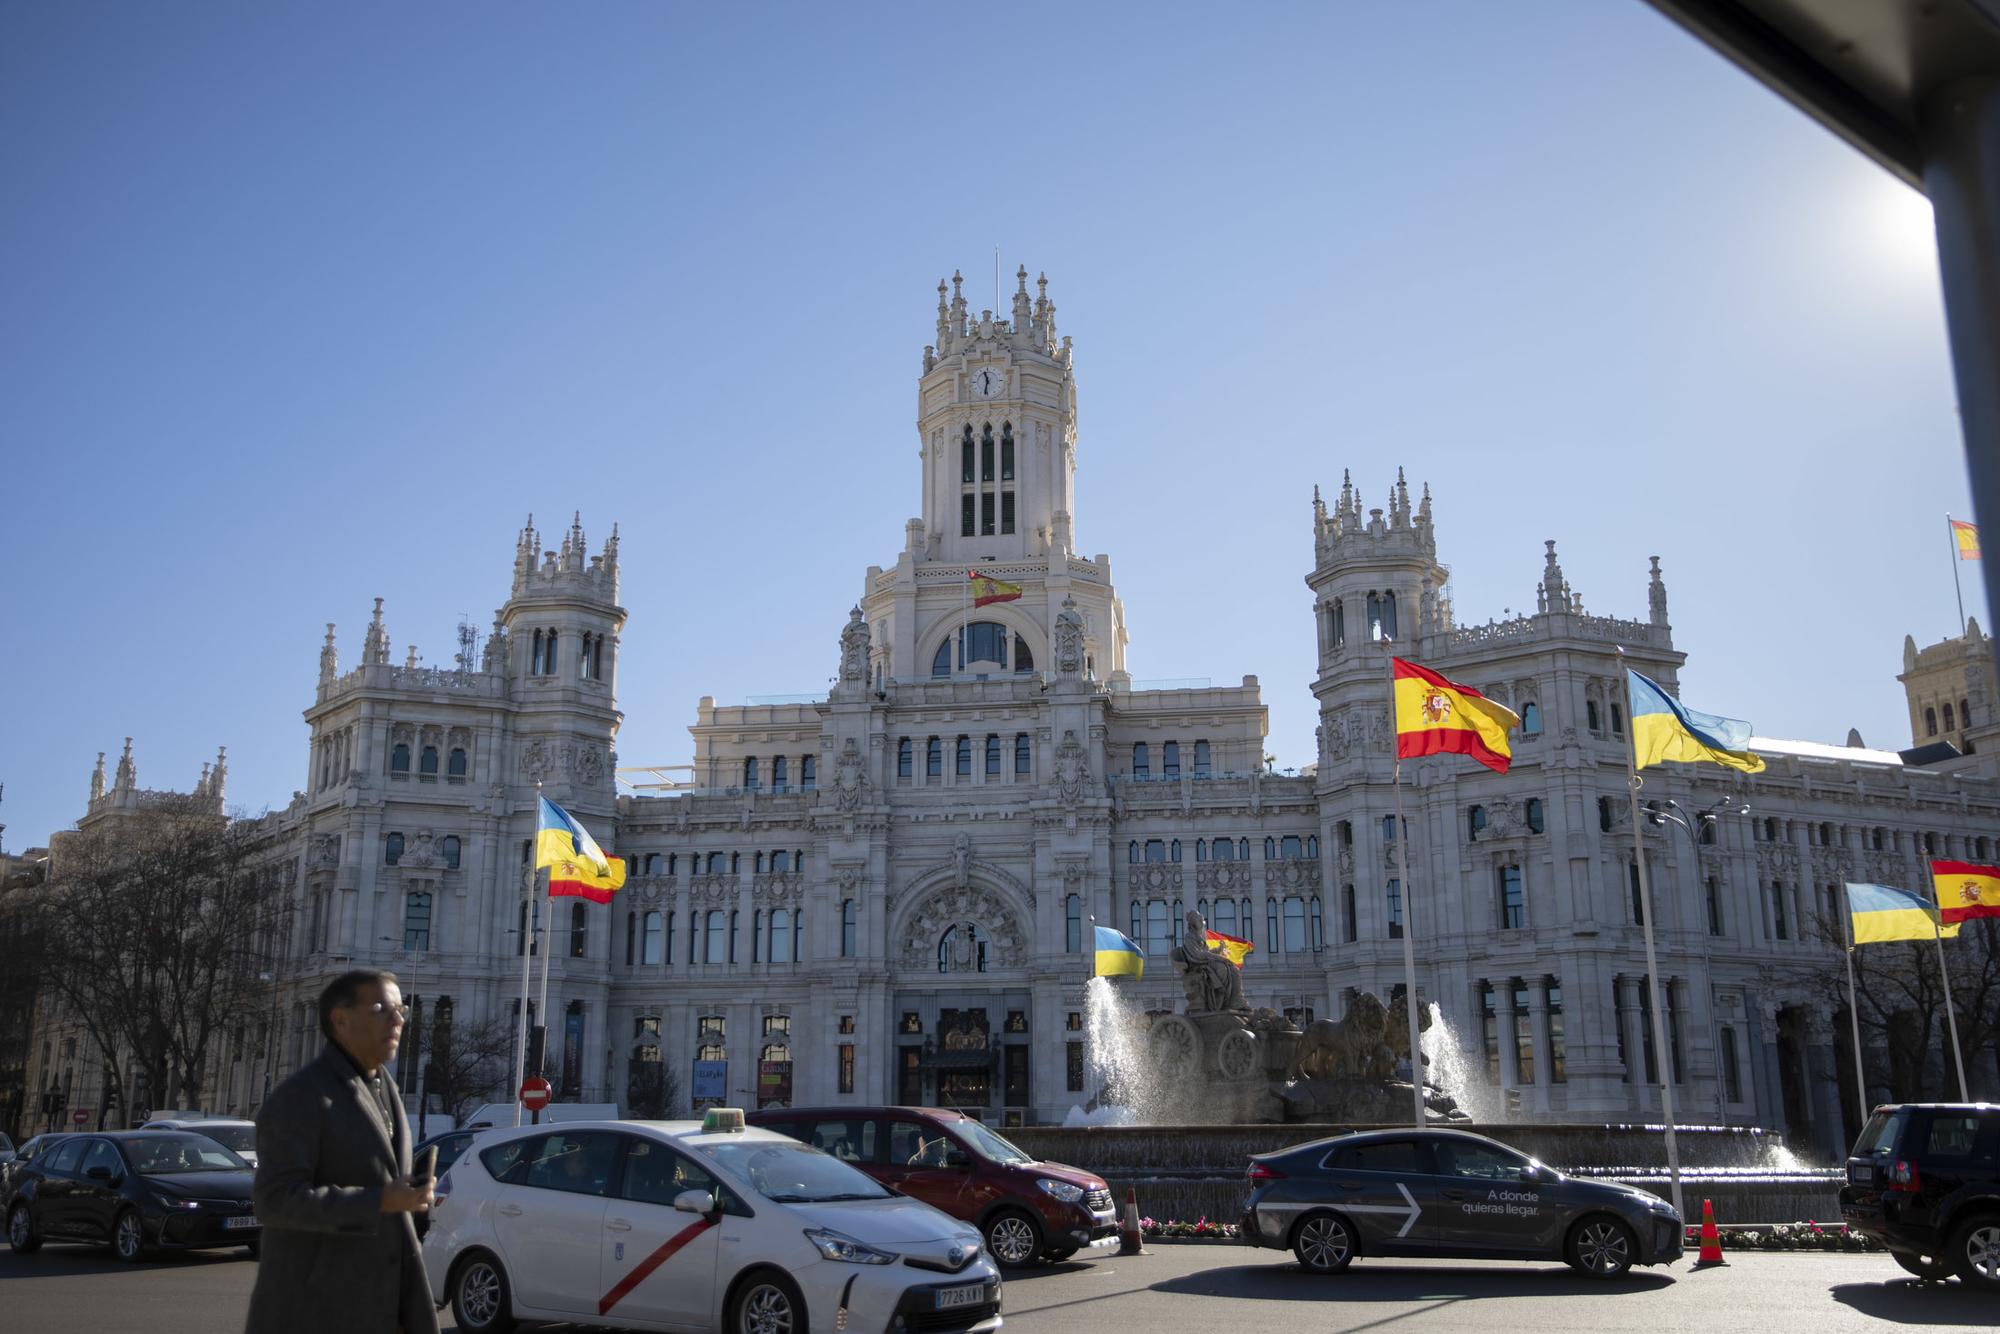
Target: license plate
{"type": "Point", "coordinates": [240, 1221]}
{"type": "Point", "coordinates": [969, 1295]}
{"type": "Point", "coordinates": [1861, 1174]}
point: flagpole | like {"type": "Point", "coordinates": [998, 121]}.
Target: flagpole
{"type": "Point", "coordinates": [965, 621]}
{"type": "Point", "coordinates": [543, 939]}
{"type": "Point", "coordinates": [521, 1024]}
{"type": "Point", "coordinates": [1664, 1053]}
{"type": "Point", "coordinates": [1950, 1010]}
{"type": "Point", "coordinates": [1409, 899]}
{"type": "Point", "coordinates": [1951, 536]}
{"type": "Point", "coordinates": [1853, 1001]}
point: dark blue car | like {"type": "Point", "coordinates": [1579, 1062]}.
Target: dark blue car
{"type": "Point", "coordinates": [133, 1189]}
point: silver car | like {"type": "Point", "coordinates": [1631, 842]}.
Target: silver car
{"type": "Point", "coordinates": [1447, 1193]}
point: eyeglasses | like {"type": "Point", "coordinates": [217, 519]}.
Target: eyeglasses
{"type": "Point", "coordinates": [381, 1009]}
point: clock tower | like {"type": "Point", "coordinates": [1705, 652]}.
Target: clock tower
{"type": "Point", "coordinates": [996, 417]}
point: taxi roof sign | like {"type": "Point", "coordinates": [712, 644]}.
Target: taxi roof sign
{"type": "Point", "coordinates": [721, 1120]}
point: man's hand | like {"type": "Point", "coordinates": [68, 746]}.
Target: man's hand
{"type": "Point", "coordinates": [408, 1195]}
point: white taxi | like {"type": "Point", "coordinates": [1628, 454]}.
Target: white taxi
{"type": "Point", "coordinates": [695, 1226]}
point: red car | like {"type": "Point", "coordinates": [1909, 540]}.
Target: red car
{"type": "Point", "coordinates": [1027, 1210]}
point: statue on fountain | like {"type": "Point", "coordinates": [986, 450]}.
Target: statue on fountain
{"type": "Point", "coordinates": [1213, 984]}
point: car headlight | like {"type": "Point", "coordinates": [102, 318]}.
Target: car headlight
{"type": "Point", "coordinates": [175, 1201]}
{"type": "Point", "coordinates": [839, 1246]}
{"type": "Point", "coordinates": [1062, 1190]}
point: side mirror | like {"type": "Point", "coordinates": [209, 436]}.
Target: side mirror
{"type": "Point", "coordinates": [958, 1158]}
{"type": "Point", "coordinates": [99, 1174]}
{"type": "Point", "coordinates": [1531, 1172]}
{"type": "Point", "coordinates": [695, 1202]}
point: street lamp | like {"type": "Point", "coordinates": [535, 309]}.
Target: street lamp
{"type": "Point", "coordinates": [416, 1046]}
{"type": "Point", "coordinates": [1691, 822]}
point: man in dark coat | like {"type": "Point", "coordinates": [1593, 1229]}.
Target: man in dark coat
{"type": "Point", "coordinates": [334, 1192]}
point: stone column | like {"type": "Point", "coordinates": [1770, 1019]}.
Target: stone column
{"type": "Point", "coordinates": [1510, 1053]}
{"type": "Point", "coordinates": [1632, 1023]}
{"type": "Point", "coordinates": [1538, 1014]}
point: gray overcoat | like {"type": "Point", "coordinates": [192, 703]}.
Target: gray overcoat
{"type": "Point", "coordinates": [333, 1262]}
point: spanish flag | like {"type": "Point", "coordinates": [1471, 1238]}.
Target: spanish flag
{"type": "Point", "coordinates": [987, 589]}
{"type": "Point", "coordinates": [576, 865]}
{"type": "Point", "coordinates": [1118, 953]}
{"type": "Point", "coordinates": [1435, 716]}
{"type": "Point", "coordinates": [1229, 947]}
{"type": "Point", "coordinates": [1967, 537]}
{"type": "Point", "coordinates": [1664, 729]}
{"type": "Point", "coordinates": [1965, 891]}
{"type": "Point", "coordinates": [1881, 912]}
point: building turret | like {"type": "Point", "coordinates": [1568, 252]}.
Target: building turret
{"type": "Point", "coordinates": [329, 658]}
{"type": "Point", "coordinates": [1656, 596]}
{"type": "Point", "coordinates": [128, 773]}
{"type": "Point", "coordinates": [97, 778]}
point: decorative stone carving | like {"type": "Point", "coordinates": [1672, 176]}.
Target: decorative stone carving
{"type": "Point", "coordinates": [1222, 876]}
{"type": "Point", "coordinates": [1292, 875]}
{"type": "Point", "coordinates": [849, 880]}
{"type": "Point", "coordinates": [1072, 770]}
{"type": "Point", "coordinates": [778, 888]}
{"type": "Point", "coordinates": [850, 779]}
{"type": "Point", "coordinates": [956, 907]}
{"type": "Point", "coordinates": [323, 851]}
{"type": "Point", "coordinates": [854, 650]}
{"type": "Point", "coordinates": [1156, 878]}
{"type": "Point", "coordinates": [590, 766]}
{"type": "Point", "coordinates": [1067, 651]}
{"type": "Point", "coordinates": [961, 861]}
{"type": "Point", "coordinates": [538, 761]}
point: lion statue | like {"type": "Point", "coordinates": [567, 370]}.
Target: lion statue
{"type": "Point", "coordinates": [1353, 1047]}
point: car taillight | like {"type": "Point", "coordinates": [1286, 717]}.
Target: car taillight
{"type": "Point", "coordinates": [1265, 1172]}
{"type": "Point", "coordinates": [1904, 1174]}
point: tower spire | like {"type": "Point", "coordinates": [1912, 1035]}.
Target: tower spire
{"type": "Point", "coordinates": [128, 773]}
{"type": "Point", "coordinates": [97, 778]}
{"type": "Point", "coordinates": [1656, 596]}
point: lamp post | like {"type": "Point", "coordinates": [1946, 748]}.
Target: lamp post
{"type": "Point", "coordinates": [1671, 811]}
{"type": "Point", "coordinates": [417, 1045]}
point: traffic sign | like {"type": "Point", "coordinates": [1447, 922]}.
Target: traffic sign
{"type": "Point", "coordinates": [535, 1093]}
{"type": "Point", "coordinates": [80, 1116]}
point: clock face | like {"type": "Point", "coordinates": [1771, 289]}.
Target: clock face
{"type": "Point", "coordinates": [986, 381]}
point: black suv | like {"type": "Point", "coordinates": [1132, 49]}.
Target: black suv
{"type": "Point", "coordinates": [1924, 1179]}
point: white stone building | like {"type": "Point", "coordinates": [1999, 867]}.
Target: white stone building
{"type": "Point", "coordinates": [886, 893]}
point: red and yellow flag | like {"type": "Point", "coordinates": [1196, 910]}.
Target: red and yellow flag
{"type": "Point", "coordinates": [987, 589]}
{"type": "Point", "coordinates": [580, 880]}
{"type": "Point", "coordinates": [1436, 715]}
{"type": "Point", "coordinates": [1967, 537]}
{"type": "Point", "coordinates": [1965, 890]}
{"type": "Point", "coordinates": [1229, 947]}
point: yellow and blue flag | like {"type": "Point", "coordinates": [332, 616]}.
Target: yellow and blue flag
{"type": "Point", "coordinates": [1882, 912]}
{"type": "Point", "coordinates": [1665, 729]}
{"type": "Point", "coordinates": [561, 841]}
{"type": "Point", "coordinates": [1118, 953]}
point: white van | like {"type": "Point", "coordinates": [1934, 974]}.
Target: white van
{"type": "Point", "coordinates": [501, 1114]}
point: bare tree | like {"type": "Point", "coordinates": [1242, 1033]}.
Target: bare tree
{"type": "Point", "coordinates": [154, 929]}
{"type": "Point", "coordinates": [467, 1062]}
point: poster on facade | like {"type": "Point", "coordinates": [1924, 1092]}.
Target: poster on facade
{"type": "Point", "coordinates": [711, 1081]}
{"type": "Point", "coordinates": [774, 1083]}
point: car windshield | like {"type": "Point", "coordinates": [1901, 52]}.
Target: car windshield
{"type": "Point", "coordinates": [168, 1152]}
{"type": "Point", "coordinates": [238, 1138]}
{"type": "Point", "coordinates": [787, 1173]}
{"type": "Point", "coordinates": [989, 1144]}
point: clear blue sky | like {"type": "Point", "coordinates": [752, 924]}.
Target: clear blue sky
{"type": "Point", "coordinates": [302, 304]}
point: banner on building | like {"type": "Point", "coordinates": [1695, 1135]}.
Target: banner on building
{"type": "Point", "coordinates": [774, 1083]}
{"type": "Point", "coordinates": [711, 1080]}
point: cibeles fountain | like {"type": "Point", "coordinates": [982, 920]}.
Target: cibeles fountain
{"type": "Point", "coordinates": [1183, 1099]}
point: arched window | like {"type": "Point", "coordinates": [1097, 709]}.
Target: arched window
{"type": "Point", "coordinates": [781, 862]}
{"type": "Point", "coordinates": [965, 458]}
{"type": "Point", "coordinates": [1201, 759]}
{"type": "Point", "coordinates": [757, 935]}
{"type": "Point", "coordinates": [808, 773]}
{"type": "Point", "coordinates": [781, 772]}
{"type": "Point", "coordinates": [399, 758]}
{"type": "Point", "coordinates": [1374, 616]}
{"type": "Point", "coordinates": [1475, 822]}
{"type": "Point", "coordinates": [583, 657]}
{"type": "Point", "coordinates": [535, 662]}
{"type": "Point", "coordinates": [992, 756]}
{"type": "Point", "coordinates": [1270, 849]}
{"type": "Point", "coordinates": [392, 851]}
{"type": "Point", "coordinates": [1142, 760]}
{"type": "Point", "coordinates": [1174, 851]}
{"type": "Point", "coordinates": [1618, 720]}
{"type": "Point", "coordinates": [1159, 928]}
{"type": "Point", "coordinates": [781, 936]}
{"type": "Point", "coordinates": [1531, 719]}
{"type": "Point", "coordinates": [750, 773]}
{"type": "Point", "coordinates": [717, 862]}
{"type": "Point", "coordinates": [1024, 763]}
{"type": "Point", "coordinates": [847, 928]}
{"type": "Point", "coordinates": [1707, 830]}
{"type": "Point", "coordinates": [1156, 851]}
{"type": "Point", "coordinates": [1964, 714]}
{"type": "Point", "coordinates": [1295, 924]}
{"type": "Point", "coordinates": [712, 944]}
{"type": "Point", "coordinates": [1950, 723]}
{"type": "Point", "coordinates": [427, 759]}
{"type": "Point", "coordinates": [941, 660]}
{"type": "Point", "coordinates": [963, 767]}
{"type": "Point", "coordinates": [1006, 451]}
{"type": "Point", "coordinates": [1224, 850]}
{"type": "Point", "coordinates": [673, 863]}
{"type": "Point", "coordinates": [959, 954]}
{"type": "Point", "coordinates": [1930, 729]}
{"type": "Point", "coordinates": [1536, 822]}
{"type": "Point", "coordinates": [417, 922]}
{"type": "Point", "coordinates": [1389, 615]}
{"type": "Point", "coordinates": [451, 848]}
{"type": "Point", "coordinates": [650, 941]}
{"type": "Point", "coordinates": [653, 863]}
{"type": "Point", "coordinates": [905, 758]}
{"type": "Point", "coordinates": [1132, 852]}
{"type": "Point", "coordinates": [986, 641]}
{"type": "Point", "coordinates": [549, 656]}
{"type": "Point", "coordinates": [1312, 846]}
{"type": "Point", "coordinates": [1170, 759]}
{"type": "Point", "coordinates": [1272, 937]}
{"type": "Point", "coordinates": [735, 862]}
{"type": "Point", "coordinates": [455, 764]}
{"type": "Point", "coordinates": [1290, 847]}
{"type": "Point", "coordinates": [1073, 923]}
{"type": "Point", "coordinates": [757, 862]}
{"type": "Point", "coordinates": [1244, 918]}
{"type": "Point", "coordinates": [1339, 624]}
{"type": "Point", "coordinates": [1024, 657]}
{"type": "Point", "coordinates": [579, 931]}
{"type": "Point", "coordinates": [1590, 718]}
{"type": "Point", "coordinates": [1225, 916]}
{"type": "Point", "coordinates": [934, 758]}
{"type": "Point", "coordinates": [986, 452]}
{"type": "Point", "coordinates": [1316, 923]}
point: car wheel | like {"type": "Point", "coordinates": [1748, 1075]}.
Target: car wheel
{"type": "Point", "coordinates": [1323, 1243]}
{"type": "Point", "coordinates": [768, 1303]}
{"type": "Point", "coordinates": [479, 1297]}
{"type": "Point", "coordinates": [1922, 1266]}
{"type": "Point", "coordinates": [1055, 1255]}
{"type": "Point", "coordinates": [1975, 1252]}
{"type": "Point", "coordinates": [1602, 1247]}
{"type": "Point", "coordinates": [1012, 1239]}
{"type": "Point", "coordinates": [21, 1234]}
{"type": "Point", "coordinates": [128, 1237]}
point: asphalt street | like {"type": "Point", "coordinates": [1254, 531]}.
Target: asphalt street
{"type": "Point", "coordinates": [1174, 1290]}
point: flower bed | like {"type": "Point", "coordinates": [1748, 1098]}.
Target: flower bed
{"type": "Point", "coordinates": [1199, 1230]}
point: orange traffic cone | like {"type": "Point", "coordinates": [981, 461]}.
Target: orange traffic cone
{"type": "Point", "coordinates": [1711, 1240]}
{"type": "Point", "coordinates": [1131, 1241]}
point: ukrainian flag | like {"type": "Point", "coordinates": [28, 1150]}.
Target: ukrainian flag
{"type": "Point", "coordinates": [560, 840]}
{"type": "Point", "coordinates": [1118, 953]}
{"type": "Point", "coordinates": [1880, 912]}
{"type": "Point", "coordinates": [1664, 729]}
